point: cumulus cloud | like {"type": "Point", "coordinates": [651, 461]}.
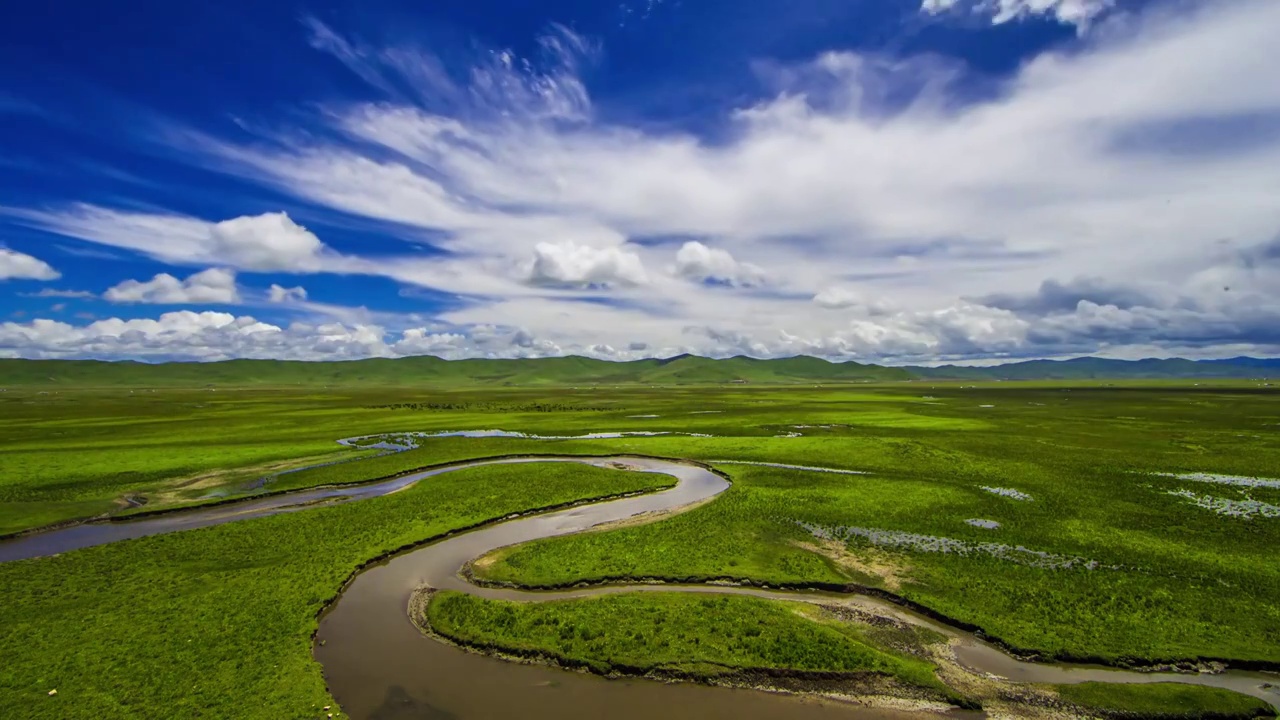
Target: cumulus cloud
{"type": "Point", "coordinates": [261, 243]}
{"type": "Point", "coordinates": [573, 265]}
{"type": "Point", "coordinates": [957, 331]}
{"type": "Point", "coordinates": [1080, 198]}
{"type": "Point", "coordinates": [20, 266]}
{"type": "Point", "coordinates": [279, 294]}
{"type": "Point", "coordinates": [1054, 295]}
{"type": "Point", "coordinates": [266, 242]}
{"type": "Point", "coordinates": [1233, 299]}
{"type": "Point", "coordinates": [212, 286]}
{"type": "Point", "coordinates": [832, 173]}
{"type": "Point", "coordinates": [482, 341]}
{"type": "Point", "coordinates": [1069, 12]}
{"type": "Point", "coordinates": [208, 336]}
{"type": "Point", "coordinates": [187, 335]}
{"type": "Point", "coordinates": [695, 261]}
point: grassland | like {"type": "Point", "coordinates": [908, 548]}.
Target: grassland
{"type": "Point", "coordinates": [218, 622]}
{"type": "Point", "coordinates": [580, 371]}
{"type": "Point", "coordinates": [737, 640]}
{"type": "Point", "coordinates": [1163, 701]}
{"type": "Point", "coordinates": [213, 618]}
{"type": "Point", "coordinates": [1168, 579]}
{"type": "Point", "coordinates": [678, 635]}
{"type": "Point", "coordinates": [432, 371]}
{"type": "Point", "coordinates": [1152, 600]}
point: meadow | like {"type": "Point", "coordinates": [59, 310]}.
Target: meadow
{"type": "Point", "coordinates": [1112, 557]}
{"type": "Point", "coordinates": [683, 635]}
{"type": "Point", "coordinates": [1160, 700]}
{"type": "Point", "coordinates": [218, 622]}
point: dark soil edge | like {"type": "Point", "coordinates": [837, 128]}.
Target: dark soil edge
{"type": "Point", "coordinates": [1138, 664]}
{"type": "Point", "coordinates": [1179, 665]}
{"type": "Point", "coordinates": [144, 514]}
{"type": "Point", "coordinates": [768, 679]}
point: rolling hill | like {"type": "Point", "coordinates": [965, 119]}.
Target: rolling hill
{"type": "Point", "coordinates": [1088, 368]}
{"type": "Point", "coordinates": [428, 370]}
{"type": "Point", "coordinates": [582, 371]}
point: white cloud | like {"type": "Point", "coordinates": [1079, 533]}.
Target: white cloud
{"type": "Point", "coordinates": [573, 265]}
{"type": "Point", "coordinates": [279, 294]}
{"type": "Point", "coordinates": [485, 341]}
{"type": "Point", "coordinates": [205, 336]}
{"type": "Point", "coordinates": [189, 336]}
{"type": "Point", "coordinates": [20, 266]}
{"type": "Point", "coordinates": [1079, 199]}
{"type": "Point", "coordinates": [1069, 12]}
{"type": "Point", "coordinates": [215, 286]}
{"type": "Point", "coordinates": [261, 243]}
{"type": "Point", "coordinates": [55, 293]}
{"type": "Point", "coordinates": [840, 297]}
{"type": "Point", "coordinates": [547, 88]}
{"type": "Point", "coordinates": [695, 261]}
{"type": "Point", "coordinates": [266, 242]}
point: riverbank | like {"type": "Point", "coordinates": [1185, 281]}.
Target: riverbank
{"type": "Point", "coordinates": [651, 637]}
{"type": "Point", "coordinates": [134, 628]}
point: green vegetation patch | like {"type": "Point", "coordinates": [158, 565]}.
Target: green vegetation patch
{"type": "Point", "coordinates": [1164, 701]}
{"type": "Point", "coordinates": [1173, 579]}
{"type": "Point", "coordinates": [686, 634]}
{"type": "Point", "coordinates": [218, 622]}
{"type": "Point", "coordinates": [1117, 567]}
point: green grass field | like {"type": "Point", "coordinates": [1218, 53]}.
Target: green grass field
{"type": "Point", "coordinates": [1125, 565]}
{"type": "Point", "coordinates": [218, 622]}
{"type": "Point", "coordinates": [1163, 701]}
{"type": "Point", "coordinates": [679, 635]}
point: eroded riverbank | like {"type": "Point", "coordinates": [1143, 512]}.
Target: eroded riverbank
{"type": "Point", "coordinates": [363, 672]}
{"type": "Point", "coordinates": [357, 625]}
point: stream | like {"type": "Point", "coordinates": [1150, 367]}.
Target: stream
{"type": "Point", "coordinates": [379, 666]}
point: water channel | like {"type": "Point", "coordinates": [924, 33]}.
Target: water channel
{"type": "Point", "coordinates": [379, 666]}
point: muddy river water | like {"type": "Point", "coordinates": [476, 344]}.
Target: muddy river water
{"type": "Point", "coordinates": [380, 666]}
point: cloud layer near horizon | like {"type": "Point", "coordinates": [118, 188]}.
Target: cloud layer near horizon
{"type": "Point", "coordinates": [1118, 196]}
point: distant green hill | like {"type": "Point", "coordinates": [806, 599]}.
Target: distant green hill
{"type": "Point", "coordinates": [427, 370]}
{"type": "Point", "coordinates": [581, 371]}
{"type": "Point", "coordinates": [1107, 369]}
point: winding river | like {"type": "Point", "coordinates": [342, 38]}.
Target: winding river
{"type": "Point", "coordinates": [380, 667]}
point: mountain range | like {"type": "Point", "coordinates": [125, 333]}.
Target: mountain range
{"type": "Point", "coordinates": [582, 371]}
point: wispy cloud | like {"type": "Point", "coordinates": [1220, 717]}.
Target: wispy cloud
{"type": "Point", "coordinates": [269, 242]}
{"type": "Point", "coordinates": [53, 293]}
{"type": "Point", "coordinates": [868, 207]}
{"type": "Point", "coordinates": [11, 105]}
{"type": "Point", "coordinates": [1080, 13]}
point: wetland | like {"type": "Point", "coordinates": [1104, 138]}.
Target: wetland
{"type": "Point", "coordinates": [873, 509]}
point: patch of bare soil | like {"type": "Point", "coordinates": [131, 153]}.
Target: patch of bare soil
{"type": "Point", "coordinates": [487, 560]}
{"type": "Point", "coordinates": [868, 562]}
{"type": "Point", "coordinates": [1000, 698]}
{"type": "Point", "coordinates": [181, 488]}
{"type": "Point", "coordinates": [649, 517]}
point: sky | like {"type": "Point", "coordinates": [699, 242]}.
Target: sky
{"type": "Point", "coordinates": [892, 181]}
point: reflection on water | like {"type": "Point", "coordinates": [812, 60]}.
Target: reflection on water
{"type": "Point", "coordinates": [400, 705]}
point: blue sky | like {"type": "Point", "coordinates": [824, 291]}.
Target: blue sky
{"type": "Point", "coordinates": [880, 180]}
